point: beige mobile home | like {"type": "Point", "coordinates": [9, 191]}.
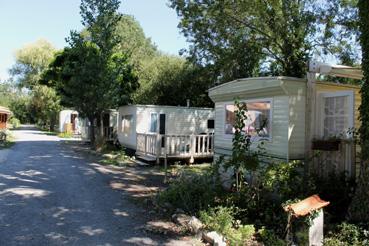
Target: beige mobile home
{"type": "Point", "coordinates": [157, 131]}
{"type": "Point", "coordinates": [303, 117]}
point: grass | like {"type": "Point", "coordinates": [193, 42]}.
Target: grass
{"type": "Point", "coordinates": [65, 135]}
{"type": "Point", "coordinates": [187, 169]}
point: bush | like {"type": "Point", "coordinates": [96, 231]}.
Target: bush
{"type": "Point", "coordinates": [221, 219]}
{"type": "Point", "coordinates": [347, 235]}
{"type": "Point", "coordinates": [14, 122]}
{"type": "Point", "coordinates": [65, 135]}
{"type": "Point", "coordinates": [269, 238]}
{"type": "Point", "coordinates": [191, 193]}
{"type": "Point", "coordinates": [337, 188]}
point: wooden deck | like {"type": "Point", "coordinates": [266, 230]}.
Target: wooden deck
{"type": "Point", "coordinates": [151, 146]}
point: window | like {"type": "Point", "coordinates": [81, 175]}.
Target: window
{"type": "Point", "coordinates": [258, 123]}
{"type": "Point", "coordinates": [126, 124]}
{"type": "Point", "coordinates": [210, 124]}
{"type": "Point", "coordinates": [337, 114]}
{"type": "Point", "coordinates": [153, 122]}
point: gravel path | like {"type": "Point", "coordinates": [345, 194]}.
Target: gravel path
{"type": "Point", "coordinates": [50, 195]}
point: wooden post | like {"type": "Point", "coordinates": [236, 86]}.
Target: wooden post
{"type": "Point", "coordinates": [158, 148]}
{"type": "Point", "coordinates": [192, 148]}
{"type": "Point", "coordinates": [145, 147]}
{"type": "Point", "coordinates": [165, 165]}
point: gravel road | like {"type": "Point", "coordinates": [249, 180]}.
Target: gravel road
{"type": "Point", "coordinates": [50, 195]}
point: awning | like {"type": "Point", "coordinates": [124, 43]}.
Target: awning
{"type": "Point", "coordinates": [336, 70]}
{"type": "Point", "coordinates": [5, 110]}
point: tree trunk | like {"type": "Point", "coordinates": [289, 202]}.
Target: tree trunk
{"type": "Point", "coordinates": [92, 131]}
{"type": "Point", "coordinates": [359, 209]}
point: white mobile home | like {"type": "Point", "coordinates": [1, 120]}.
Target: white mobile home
{"type": "Point", "coordinates": [303, 116]}
{"type": "Point", "coordinates": [154, 131]}
{"type": "Point", "coordinates": [69, 121]}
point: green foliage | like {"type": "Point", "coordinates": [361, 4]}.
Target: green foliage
{"type": "Point", "coordinates": [221, 219]}
{"type": "Point", "coordinates": [31, 61]}
{"type": "Point", "coordinates": [358, 212]}
{"type": "Point", "coordinates": [243, 159]}
{"type": "Point", "coordinates": [22, 109]}
{"type": "Point", "coordinates": [338, 188]}
{"type": "Point", "coordinates": [269, 238]}
{"type": "Point", "coordinates": [347, 235]}
{"type": "Point", "coordinates": [65, 135]}
{"type": "Point", "coordinates": [46, 104]}
{"type": "Point", "coordinates": [192, 193]}
{"type": "Point", "coordinates": [133, 42]}
{"type": "Point", "coordinates": [90, 75]}
{"type": "Point", "coordinates": [241, 38]}
{"type": "Point", "coordinates": [14, 122]}
{"type": "Point", "coordinates": [170, 80]}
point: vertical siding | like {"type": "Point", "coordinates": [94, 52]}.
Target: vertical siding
{"type": "Point", "coordinates": [181, 121]}
{"type": "Point", "coordinates": [296, 132]}
{"type": "Point", "coordinates": [127, 140]}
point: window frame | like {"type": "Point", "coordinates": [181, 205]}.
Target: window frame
{"type": "Point", "coordinates": [351, 105]}
{"type": "Point", "coordinates": [157, 122]}
{"type": "Point", "coordinates": [123, 122]}
{"type": "Point", "coordinates": [253, 139]}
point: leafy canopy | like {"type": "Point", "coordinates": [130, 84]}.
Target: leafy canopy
{"type": "Point", "coordinates": [246, 37]}
{"type": "Point", "coordinates": [90, 74]}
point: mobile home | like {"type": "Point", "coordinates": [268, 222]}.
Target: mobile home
{"type": "Point", "coordinates": [303, 117]}
{"type": "Point", "coordinates": [5, 114]}
{"type": "Point", "coordinates": [154, 131]}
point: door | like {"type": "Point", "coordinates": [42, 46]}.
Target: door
{"type": "Point", "coordinates": [336, 121]}
{"type": "Point", "coordinates": [162, 122]}
{"type": "Point", "coordinates": [73, 121]}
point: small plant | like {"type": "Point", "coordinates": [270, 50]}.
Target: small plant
{"type": "Point", "coordinates": [15, 123]}
{"type": "Point", "coordinates": [243, 160]}
{"type": "Point", "coordinates": [65, 135]}
{"type": "Point", "coordinates": [269, 238]}
{"type": "Point", "coordinates": [221, 219]}
{"type": "Point", "coordinates": [348, 234]}
{"type": "Point", "coordinates": [191, 193]}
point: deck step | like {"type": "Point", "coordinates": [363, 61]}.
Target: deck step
{"type": "Point", "coordinates": [146, 157]}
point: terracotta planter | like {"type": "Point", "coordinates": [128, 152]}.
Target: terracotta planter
{"type": "Point", "coordinates": [326, 145]}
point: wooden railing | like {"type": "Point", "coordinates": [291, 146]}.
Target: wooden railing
{"type": "Point", "coordinates": [181, 146]}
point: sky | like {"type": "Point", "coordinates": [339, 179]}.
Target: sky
{"type": "Point", "coordinates": [25, 21]}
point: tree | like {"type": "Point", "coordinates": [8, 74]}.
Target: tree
{"type": "Point", "coordinates": [31, 61]}
{"type": "Point", "coordinates": [359, 209]}
{"type": "Point", "coordinates": [170, 80]}
{"type": "Point", "coordinates": [90, 75]}
{"type": "Point", "coordinates": [46, 106]}
{"type": "Point", "coordinates": [241, 38]}
{"type": "Point", "coordinates": [133, 42]}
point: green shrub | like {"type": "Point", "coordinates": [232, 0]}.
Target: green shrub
{"type": "Point", "coordinates": [65, 135]}
{"type": "Point", "coordinates": [348, 234]}
{"type": "Point", "coordinates": [220, 219]}
{"type": "Point", "coordinates": [191, 193]}
{"type": "Point", "coordinates": [269, 238]}
{"type": "Point", "coordinates": [14, 122]}
{"type": "Point", "coordinates": [338, 188]}
{"type": "Point", "coordinates": [243, 235]}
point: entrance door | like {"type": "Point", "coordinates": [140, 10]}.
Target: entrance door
{"type": "Point", "coordinates": [73, 121]}
{"type": "Point", "coordinates": [336, 120]}
{"type": "Point", "coordinates": [162, 128]}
